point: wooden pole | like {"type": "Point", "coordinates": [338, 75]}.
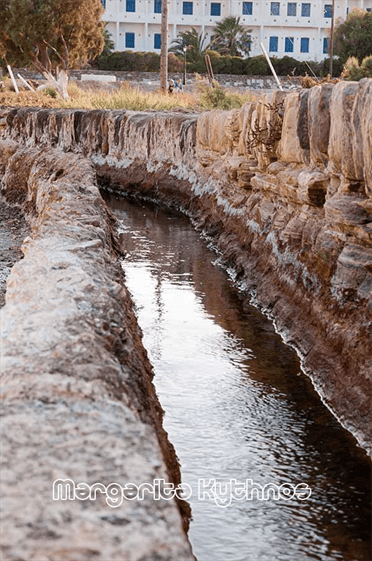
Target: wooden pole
{"type": "Point", "coordinates": [332, 39]}
{"type": "Point", "coordinates": [164, 46]}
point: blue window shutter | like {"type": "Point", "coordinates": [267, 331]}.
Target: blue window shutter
{"type": "Point", "coordinates": [325, 45]}
{"type": "Point", "coordinates": [305, 10]}
{"type": "Point", "coordinates": [273, 44]}
{"type": "Point", "coordinates": [328, 11]}
{"type": "Point", "coordinates": [103, 2]}
{"type": "Point", "coordinates": [215, 9]}
{"type": "Point", "coordinates": [130, 5]}
{"type": "Point", "coordinates": [157, 41]}
{"type": "Point", "coordinates": [275, 8]}
{"type": "Point", "coordinates": [187, 8]}
{"type": "Point", "coordinates": [304, 47]}
{"type": "Point", "coordinates": [289, 44]}
{"type": "Point", "coordinates": [157, 6]}
{"type": "Point", "coordinates": [247, 8]}
{"type": "Point", "coordinates": [129, 40]}
{"type": "Point", "coordinates": [291, 9]}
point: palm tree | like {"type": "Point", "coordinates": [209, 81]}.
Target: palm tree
{"type": "Point", "coordinates": [194, 43]}
{"type": "Point", "coordinates": [231, 38]}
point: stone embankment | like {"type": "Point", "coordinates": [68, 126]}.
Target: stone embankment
{"type": "Point", "coordinates": [140, 78]}
{"type": "Point", "coordinates": [77, 396]}
{"type": "Point", "coordinates": [284, 187]}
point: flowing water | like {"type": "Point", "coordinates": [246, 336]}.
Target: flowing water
{"type": "Point", "coordinates": [237, 406]}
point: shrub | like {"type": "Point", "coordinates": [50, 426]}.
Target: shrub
{"type": "Point", "coordinates": [366, 67]}
{"type": "Point", "coordinates": [338, 67]}
{"type": "Point", "coordinates": [174, 63]}
{"type": "Point", "coordinates": [217, 98]}
{"type": "Point", "coordinates": [289, 66]}
{"type": "Point", "coordinates": [140, 61]}
{"type": "Point", "coordinates": [355, 71]}
{"type": "Point", "coordinates": [51, 92]}
{"type": "Point", "coordinates": [256, 66]}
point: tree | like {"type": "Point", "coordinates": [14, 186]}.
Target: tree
{"type": "Point", "coordinates": [353, 37]}
{"type": "Point", "coordinates": [51, 35]}
{"type": "Point", "coordinates": [109, 45]}
{"type": "Point", "coordinates": [231, 38]}
{"type": "Point", "coordinates": [194, 43]}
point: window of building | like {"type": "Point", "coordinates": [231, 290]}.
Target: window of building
{"type": "Point", "coordinates": [215, 9]}
{"type": "Point", "coordinates": [129, 40]}
{"type": "Point", "coordinates": [157, 41]}
{"type": "Point", "coordinates": [304, 46]}
{"type": "Point", "coordinates": [325, 45]}
{"type": "Point", "coordinates": [131, 5]}
{"type": "Point", "coordinates": [305, 10]}
{"type": "Point", "coordinates": [273, 44]}
{"type": "Point", "coordinates": [103, 2]}
{"type": "Point", "coordinates": [187, 8]}
{"type": "Point", "coordinates": [328, 11]}
{"type": "Point", "coordinates": [157, 6]}
{"type": "Point", "coordinates": [291, 9]}
{"type": "Point", "coordinates": [288, 45]}
{"type": "Point", "coordinates": [247, 8]}
{"type": "Point", "coordinates": [275, 8]}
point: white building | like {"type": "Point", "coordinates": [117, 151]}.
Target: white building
{"type": "Point", "coordinates": [297, 29]}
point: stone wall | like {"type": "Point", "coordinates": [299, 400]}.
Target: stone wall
{"type": "Point", "coordinates": [228, 80]}
{"type": "Point", "coordinates": [76, 390]}
{"type": "Point", "coordinates": [284, 187]}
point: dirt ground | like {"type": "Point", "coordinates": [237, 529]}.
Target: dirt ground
{"type": "Point", "coordinates": [13, 230]}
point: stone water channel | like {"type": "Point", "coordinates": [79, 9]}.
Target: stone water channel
{"type": "Point", "coordinates": [237, 405]}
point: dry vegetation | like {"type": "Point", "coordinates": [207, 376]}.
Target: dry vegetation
{"type": "Point", "coordinates": [126, 96]}
{"type": "Point", "coordinates": [27, 99]}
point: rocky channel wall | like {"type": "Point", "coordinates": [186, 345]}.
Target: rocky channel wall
{"type": "Point", "coordinates": [284, 187]}
{"type": "Point", "coordinates": [77, 397]}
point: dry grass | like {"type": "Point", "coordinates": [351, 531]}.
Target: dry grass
{"type": "Point", "coordinates": [28, 99]}
{"type": "Point", "coordinates": [126, 97]}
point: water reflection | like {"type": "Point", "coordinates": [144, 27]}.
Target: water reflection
{"type": "Point", "coordinates": [237, 406]}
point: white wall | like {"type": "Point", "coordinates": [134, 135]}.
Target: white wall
{"type": "Point", "coordinates": [144, 23]}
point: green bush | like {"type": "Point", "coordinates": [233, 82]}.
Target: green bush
{"type": "Point", "coordinates": [256, 66]}
{"type": "Point", "coordinates": [366, 67]}
{"type": "Point", "coordinates": [356, 72]}
{"type": "Point", "coordinates": [289, 66]}
{"type": "Point", "coordinates": [338, 67]}
{"type": "Point", "coordinates": [51, 92]}
{"type": "Point", "coordinates": [198, 67]}
{"type": "Point", "coordinates": [286, 66]}
{"type": "Point", "coordinates": [217, 98]}
{"type": "Point", "coordinates": [222, 64]}
{"type": "Point", "coordinates": [140, 61]}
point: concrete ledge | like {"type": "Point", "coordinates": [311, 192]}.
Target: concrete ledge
{"type": "Point", "coordinates": [77, 397]}
{"type": "Point", "coordinates": [98, 77]}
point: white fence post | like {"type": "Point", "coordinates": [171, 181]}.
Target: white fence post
{"type": "Point", "coordinates": [12, 79]}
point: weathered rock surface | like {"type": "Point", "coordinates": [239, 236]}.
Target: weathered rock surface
{"type": "Point", "coordinates": [77, 397]}
{"type": "Point", "coordinates": [284, 186]}
{"type": "Point", "coordinates": [13, 230]}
